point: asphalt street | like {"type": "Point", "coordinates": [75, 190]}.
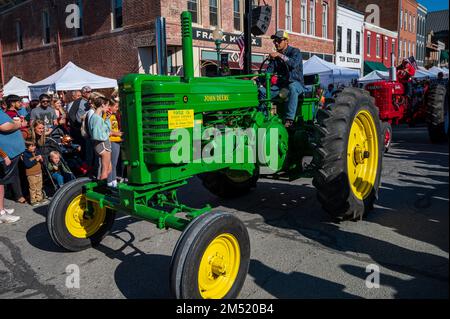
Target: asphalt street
{"type": "Point", "coordinates": [296, 249]}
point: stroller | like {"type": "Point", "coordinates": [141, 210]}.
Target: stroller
{"type": "Point", "coordinates": [70, 151]}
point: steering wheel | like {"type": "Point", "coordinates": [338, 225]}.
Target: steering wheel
{"type": "Point", "coordinates": [286, 67]}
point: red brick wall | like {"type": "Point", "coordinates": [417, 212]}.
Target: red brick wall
{"type": "Point", "coordinates": [308, 43]}
{"type": "Point", "coordinates": [99, 50]}
{"type": "Point", "coordinates": [405, 35]}
{"type": "Point", "coordinates": [173, 10]}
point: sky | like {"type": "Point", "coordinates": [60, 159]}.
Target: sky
{"type": "Point", "coordinates": [434, 5]}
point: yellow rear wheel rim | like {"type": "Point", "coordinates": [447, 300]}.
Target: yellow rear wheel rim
{"type": "Point", "coordinates": [362, 155]}
{"type": "Point", "coordinates": [79, 222]}
{"type": "Point", "coordinates": [219, 267]}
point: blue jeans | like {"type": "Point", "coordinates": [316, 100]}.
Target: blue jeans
{"type": "Point", "coordinates": [115, 152]}
{"type": "Point", "coordinates": [62, 178]}
{"type": "Point", "coordinates": [295, 89]}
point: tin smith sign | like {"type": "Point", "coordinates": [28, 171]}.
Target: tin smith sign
{"type": "Point", "coordinates": [206, 35]}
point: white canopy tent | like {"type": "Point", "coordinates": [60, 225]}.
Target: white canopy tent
{"type": "Point", "coordinates": [422, 74]}
{"type": "Point", "coordinates": [16, 86]}
{"type": "Point", "coordinates": [70, 77]}
{"type": "Point", "coordinates": [436, 70]}
{"type": "Point", "coordinates": [374, 76]}
{"type": "Point", "coordinates": [329, 72]}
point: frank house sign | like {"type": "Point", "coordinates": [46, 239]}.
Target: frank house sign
{"type": "Point", "coordinates": [206, 35]}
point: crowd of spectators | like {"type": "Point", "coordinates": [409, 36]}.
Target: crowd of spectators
{"type": "Point", "coordinates": [48, 142]}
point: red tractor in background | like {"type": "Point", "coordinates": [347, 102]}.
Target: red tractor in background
{"type": "Point", "coordinates": [425, 103]}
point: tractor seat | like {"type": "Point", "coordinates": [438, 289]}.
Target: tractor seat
{"type": "Point", "coordinates": [310, 81]}
{"type": "Point", "coordinates": [308, 93]}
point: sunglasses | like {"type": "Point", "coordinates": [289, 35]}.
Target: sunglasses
{"type": "Point", "coordinates": [45, 101]}
{"type": "Point", "coordinates": [278, 40]}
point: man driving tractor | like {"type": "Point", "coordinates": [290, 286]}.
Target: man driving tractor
{"type": "Point", "coordinates": [405, 73]}
{"type": "Point", "coordinates": [287, 64]}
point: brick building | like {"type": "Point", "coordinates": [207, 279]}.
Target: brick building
{"type": "Point", "coordinates": [407, 38]}
{"type": "Point", "coordinates": [421, 34]}
{"type": "Point", "coordinates": [118, 36]}
{"type": "Point", "coordinates": [311, 25]}
{"type": "Point", "coordinates": [379, 44]}
{"type": "Point", "coordinates": [36, 41]}
{"type": "Point", "coordinates": [398, 16]}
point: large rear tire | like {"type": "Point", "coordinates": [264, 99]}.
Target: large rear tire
{"type": "Point", "coordinates": [211, 258]}
{"type": "Point", "coordinates": [436, 113]}
{"type": "Point", "coordinates": [349, 155]}
{"type": "Point", "coordinates": [70, 225]}
{"type": "Point", "coordinates": [231, 184]}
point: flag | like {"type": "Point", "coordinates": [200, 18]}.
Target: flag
{"type": "Point", "coordinates": [413, 62]}
{"type": "Point", "coordinates": [241, 44]}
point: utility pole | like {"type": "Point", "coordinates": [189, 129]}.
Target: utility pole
{"type": "Point", "coordinates": [58, 34]}
{"type": "Point", "coordinates": [248, 37]}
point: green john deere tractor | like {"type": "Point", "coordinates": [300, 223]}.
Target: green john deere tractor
{"type": "Point", "coordinates": [179, 127]}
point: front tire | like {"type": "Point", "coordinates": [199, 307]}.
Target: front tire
{"type": "Point", "coordinates": [348, 156]}
{"type": "Point", "coordinates": [211, 258]}
{"type": "Point", "coordinates": [69, 224]}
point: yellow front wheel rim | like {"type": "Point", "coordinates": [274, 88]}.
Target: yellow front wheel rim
{"type": "Point", "coordinates": [219, 267]}
{"type": "Point", "coordinates": [79, 222]}
{"type": "Point", "coordinates": [362, 154]}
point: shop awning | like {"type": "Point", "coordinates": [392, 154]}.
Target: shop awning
{"type": "Point", "coordinates": [444, 55]}
{"type": "Point", "coordinates": [370, 66]}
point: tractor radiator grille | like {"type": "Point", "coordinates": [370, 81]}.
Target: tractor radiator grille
{"type": "Point", "coordinates": [156, 134]}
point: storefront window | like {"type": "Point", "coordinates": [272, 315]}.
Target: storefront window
{"type": "Point", "coordinates": [237, 14]}
{"type": "Point", "coordinates": [349, 41]}
{"type": "Point", "coordinates": [193, 6]}
{"type": "Point", "coordinates": [358, 42]}
{"type": "Point", "coordinates": [213, 12]}
{"type": "Point", "coordinates": [289, 15]}
{"type": "Point", "coordinates": [339, 39]}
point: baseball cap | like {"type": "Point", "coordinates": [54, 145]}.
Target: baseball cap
{"type": "Point", "coordinates": [280, 34]}
{"type": "Point", "coordinates": [12, 98]}
{"type": "Point", "coordinates": [86, 89]}
{"type": "Point", "coordinates": [44, 96]}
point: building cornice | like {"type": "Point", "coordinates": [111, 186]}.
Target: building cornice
{"type": "Point", "coordinates": [422, 7]}
{"type": "Point", "coordinates": [377, 29]}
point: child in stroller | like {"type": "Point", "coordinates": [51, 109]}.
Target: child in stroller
{"type": "Point", "coordinates": [58, 169]}
{"type": "Point", "coordinates": [59, 140]}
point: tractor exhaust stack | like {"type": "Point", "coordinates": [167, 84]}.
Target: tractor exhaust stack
{"type": "Point", "coordinates": [392, 69]}
{"type": "Point", "coordinates": [186, 32]}
{"type": "Point", "coordinates": [161, 45]}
